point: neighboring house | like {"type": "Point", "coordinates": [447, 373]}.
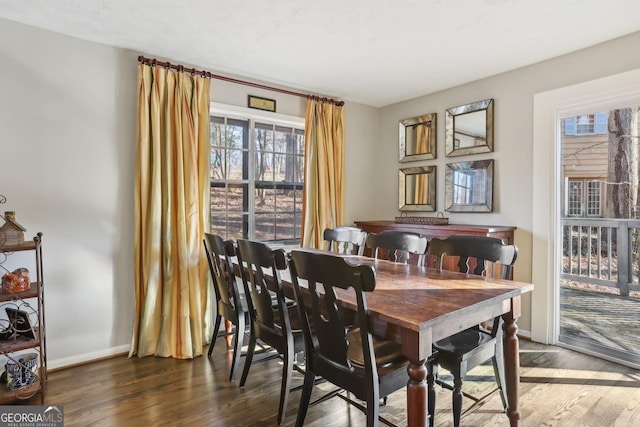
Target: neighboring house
{"type": "Point", "coordinates": [584, 165]}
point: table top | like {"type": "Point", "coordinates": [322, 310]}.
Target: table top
{"type": "Point", "coordinates": [424, 304]}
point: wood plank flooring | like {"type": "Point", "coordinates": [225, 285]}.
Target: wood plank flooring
{"type": "Point", "coordinates": [558, 387]}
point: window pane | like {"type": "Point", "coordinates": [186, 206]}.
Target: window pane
{"type": "Point", "coordinates": [218, 198]}
{"type": "Point", "coordinates": [586, 124]}
{"type": "Point", "coordinates": [298, 221]}
{"type": "Point", "coordinates": [593, 198]}
{"type": "Point", "coordinates": [285, 226]}
{"type": "Point", "coordinates": [219, 224]}
{"type": "Point", "coordinates": [238, 226]}
{"type": "Point", "coordinates": [265, 200]}
{"type": "Point", "coordinates": [575, 198]}
{"type": "Point", "coordinates": [236, 162]}
{"type": "Point", "coordinates": [286, 200]}
{"type": "Point", "coordinates": [236, 198]}
{"type": "Point", "coordinates": [265, 226]}
{"type": "Point", "coordinates": [218, 159]}
{"type": "Point", "coordinates": [264, 166]}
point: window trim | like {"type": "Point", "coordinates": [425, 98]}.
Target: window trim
{"type": "Point", "coordinates": [243, 113]}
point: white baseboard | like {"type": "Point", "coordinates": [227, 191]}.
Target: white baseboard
{"type": "Point", "coordinates": [524, 334]}
{"type": "Point", "coordinates": [87, 357]}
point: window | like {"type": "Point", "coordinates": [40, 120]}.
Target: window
{"type": "Point", "coordinates": [257, 165]}
{"type": "Point", "coordinates": [584, 198]}
{"type": "Point", "coordinates": [586, 124]}
{"type": "Point", "coordinates": [462, 187]}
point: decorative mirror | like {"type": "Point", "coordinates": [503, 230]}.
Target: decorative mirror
{"type": "Point", "coordinates": [417, 189]}
{"type": "Point", "coordinates": [418, 138]}
{"type": "Point", "coordinates": [469, 186]}
{"type": "Point", "coordinates": [469, 129]}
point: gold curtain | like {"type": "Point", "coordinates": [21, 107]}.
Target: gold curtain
{"type": "Point", "coordinates": [422, 189]}
{"type": "Point", "coordinates": [323, 196]}
{"type": "Point", "coordinates": [423, 134]}
{"type": "Point", "coordinates": [171, 214]}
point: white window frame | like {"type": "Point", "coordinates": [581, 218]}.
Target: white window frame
{"type": "Point", "coordinates": [253, 116]}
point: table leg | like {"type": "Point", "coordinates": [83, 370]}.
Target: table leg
{"type": "Point", "coordinates": [417, 394]}
{"type": "Point", "coordinates": [511, 367]}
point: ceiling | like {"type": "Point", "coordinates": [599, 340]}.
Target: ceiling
{"type": "Point", "coordinates": [375, 52]}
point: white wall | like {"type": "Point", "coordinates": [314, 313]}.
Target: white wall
{"type": "Point", "coordinates": [514, 176]}
{"type": "Point", "coordinates": [67, 131]}
{"type": "Point", "coordinates": [67, 144]}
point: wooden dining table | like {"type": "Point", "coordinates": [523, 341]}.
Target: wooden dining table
{"type": "Point", "coordinates": [416, 306]}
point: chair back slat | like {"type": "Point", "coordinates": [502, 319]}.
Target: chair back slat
{"type": "Point", "coordinates": [480, 248]}
{"type": "Point", "coordinates": [345, 240]}
{"type": "Point", "coordinates": [397, 245]}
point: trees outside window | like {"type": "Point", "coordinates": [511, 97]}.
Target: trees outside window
{"type": "Point", "coordinates": [256, 179]}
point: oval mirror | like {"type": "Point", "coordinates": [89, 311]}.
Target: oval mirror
{"type": "Point", "coordinates": [417, 189]}
{"type": "Point", "coordinates": [469, 129]}
{"type": "Point", "coordinates": [417, 138]}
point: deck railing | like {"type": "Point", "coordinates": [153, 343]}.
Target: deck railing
{"type": "Point", "coordinates": [602, 252]}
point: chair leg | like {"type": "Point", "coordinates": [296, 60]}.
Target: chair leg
{"type": "Point", "coordinates": [373, 407]}
{"type": "Point", "coordinates": [216, 327]}
{"type": "Point", "coordinates": [309, 381]}
{"type": "Point", "coordinates": [432, 374]}
{"type": "Point", "coordinates": [287, 373]}
{"type": "Point", "coordinates": [498, 370]}
{"type": "Point", "coordinates": [456, 398]}
{"type": "Point", "coordinates": [237, 347]}
{"type": "Point", "coordinates": [248, 359]}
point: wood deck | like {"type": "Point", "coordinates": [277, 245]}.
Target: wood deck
{"type": "Point", "coordinates": [601, 319]}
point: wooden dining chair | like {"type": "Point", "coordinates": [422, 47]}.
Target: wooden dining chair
{"type": "Point", "coordinates": [345, 240]}
{"type": "Point", "coordinates": [277, 325]}
{"type": "Point", "coordinates": [397, 246]}
{"type": "Point", "coordinates": [230, 302]}
{"type": "Point", "coordinates": [351, 358]}
{"type": "Point", "coordinates": [467, 349]}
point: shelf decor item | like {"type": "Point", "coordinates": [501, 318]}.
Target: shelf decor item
{"type": "Point", "coordinates": [11, 233]}
{"type": "Point", "coordinates": [22, 372]}
{"type": "Point", "coordinates": [439, 219]}
{"type": "Point", "coordinates": [16, 281]}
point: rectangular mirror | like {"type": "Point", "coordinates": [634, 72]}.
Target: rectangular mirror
{"type": "Point", "coordinates": [469, 129]}
{"type": "Point", "coordinates": [417, 189]}
{"type": "Point", "coordinates": [469, 186]}
{"type": "Point", "coordinates": [417, 138]}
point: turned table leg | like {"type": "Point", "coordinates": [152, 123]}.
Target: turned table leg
{"type": "Point", "coordinates": [417, 394]}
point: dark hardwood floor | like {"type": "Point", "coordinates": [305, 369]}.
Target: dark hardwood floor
{"type": "Point", "coordinates": [558, 387]}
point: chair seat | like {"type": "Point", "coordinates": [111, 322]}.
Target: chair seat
{"type": "Point", "coordinates": [463, 343]}
{"type": "Point", "coordinates": [388, 353]}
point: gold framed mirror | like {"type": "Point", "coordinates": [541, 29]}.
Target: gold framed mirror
{"type": "Point", "coordinates": [469, 129]}
{"type": "Point", "coordinates": [469, 186]}
{"type": "Point", "coordinates": [417, 189]}
{"type": "Point", "coordinates": [417, 138]}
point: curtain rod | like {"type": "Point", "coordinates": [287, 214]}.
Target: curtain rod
{"type": "Point", "coordinates": [155, 63]}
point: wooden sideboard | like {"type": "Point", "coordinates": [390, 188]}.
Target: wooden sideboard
{"type": "Point", "coordinates": [505, 233]}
